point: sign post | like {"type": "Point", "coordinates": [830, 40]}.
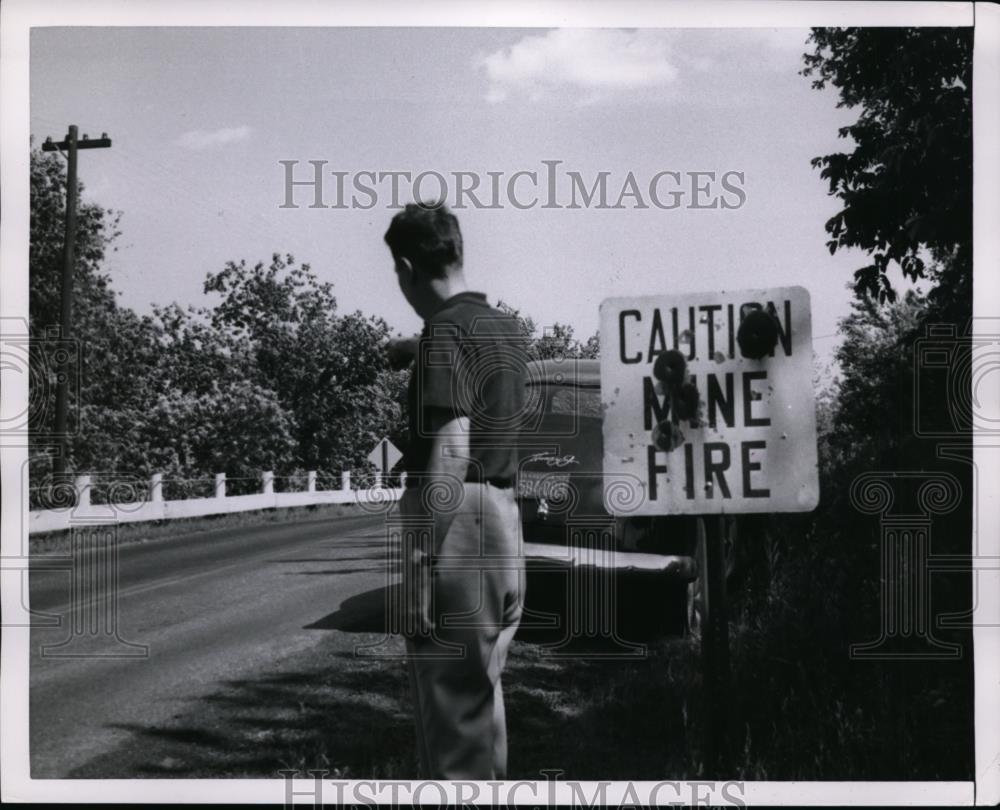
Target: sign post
{"type": "Point", "coordinates": [708, 406]}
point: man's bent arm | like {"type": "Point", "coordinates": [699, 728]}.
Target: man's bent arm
{"type": "Point", "coordinates": [439, 495]}
{"type": "Point", "coordinates": [447, 469]}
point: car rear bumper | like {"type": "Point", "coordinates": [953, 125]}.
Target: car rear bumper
{"type": "Point", "coordinates": [677, 566]}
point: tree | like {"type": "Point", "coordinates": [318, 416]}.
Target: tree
{"type": "Point", "coordinates": [205, 411]}
{"type": "Point", "coordinates": [906, 187]}
{"type": "Point", "coordinates": [238, 428]}
{"type": "Point", "coordinates": [109, 345]}
{"type": "Point", "coordinates": [328, 371]}
{"type": "Point", "coordinates": [555, 341]}
{"type": "Point", "coordinates": [813, 584]}
{"type": "Point", "coordinates": [96, 232]}
{"type": "Point", "coordinates": [872, 419]}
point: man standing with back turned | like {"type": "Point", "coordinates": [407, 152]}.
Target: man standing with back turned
{"type": "Point", "coordinates": [462, 569]}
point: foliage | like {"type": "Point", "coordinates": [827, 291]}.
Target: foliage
{"type": "Point", "coordinates": [809, 586]}
{"type": "Point", "coordinates": [339, 390]}
{"type": "Point", "coordinates": [239, 429]}
{"type": "Point", "coordinates": [555, 341]}
{"type": "Point", "coordinates": [873, 419]}
{"type": "Point", "coordinates": [94, 306]}
{"type": "Point", "coordinates": [97, 230]}
{"type": "Point", "coordinates": [906, 187]}
{"type": "Point", "coordinates": [205, 412]}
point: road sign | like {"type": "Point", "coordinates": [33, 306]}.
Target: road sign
{"type": "Point", "coordinates": [385, 456]}
{"type": "Point", "coordinates": [708, 401]}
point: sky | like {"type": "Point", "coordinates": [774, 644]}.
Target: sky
{"type": "Point", "coordinates": [201, 117]}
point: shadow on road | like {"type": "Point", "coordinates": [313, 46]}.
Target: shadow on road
{"type": "Point", "coordinates": [349, 716]}
{"type": "Point", "coordinates": [365, 613]}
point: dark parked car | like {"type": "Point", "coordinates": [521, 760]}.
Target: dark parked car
{"type": "Point", "coordinates": [653, 561]}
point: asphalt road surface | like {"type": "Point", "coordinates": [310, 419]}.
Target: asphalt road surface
{"type": "Point", "coordinates": [208, 606]}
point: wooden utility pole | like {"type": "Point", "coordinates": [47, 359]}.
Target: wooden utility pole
{"type": "Point", "coordinates": [70, 146]}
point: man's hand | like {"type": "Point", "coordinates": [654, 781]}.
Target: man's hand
{"type": "Point", "coordinates": [417, 586]}
{"type": "Point", "coordinates": [400, 352]}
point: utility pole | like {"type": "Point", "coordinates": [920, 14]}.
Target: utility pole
{"type": "Point", "coordinates": [69, 146]}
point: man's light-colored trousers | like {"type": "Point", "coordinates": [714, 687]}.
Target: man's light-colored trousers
{"type": "Point", "coordinates": [476, 599]}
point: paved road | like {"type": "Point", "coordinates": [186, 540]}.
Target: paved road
{"type": "Point", "coordinates": [209, 606]}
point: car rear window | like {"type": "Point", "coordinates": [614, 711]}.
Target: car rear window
{"type": "Point", "coordinates": [580, 401]}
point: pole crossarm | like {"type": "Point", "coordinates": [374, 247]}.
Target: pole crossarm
{"type": "Point", "coordinates": [83, 143]}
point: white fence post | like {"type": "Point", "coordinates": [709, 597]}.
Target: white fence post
{"type": "Point", "coordinates": [402, 480]}
{"type": "Point", "coordinates": [220, 485]}
{"type": "Point", "coordinates": [311, 481]}
{"type": "Point", "coordinates": [156, 488]}
{"type": "Point", "coordinates": [345, 481]}
{"type": "Point", "coordinates": [82, 486]}
{"type": "Point", "coordinates": [268, 478]}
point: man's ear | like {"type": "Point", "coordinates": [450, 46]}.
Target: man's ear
{"type": "Point", "coordinates": [404, 265]}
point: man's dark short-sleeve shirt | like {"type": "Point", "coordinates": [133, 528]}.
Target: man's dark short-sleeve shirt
{"type": "Point", "coordinates": [471, 361]}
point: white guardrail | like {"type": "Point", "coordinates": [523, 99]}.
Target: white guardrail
{"type": "Point", "coordinates": [81, 510]}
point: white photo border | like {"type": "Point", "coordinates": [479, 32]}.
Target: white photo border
{"type": "Point", "coordinates": [17, 17]}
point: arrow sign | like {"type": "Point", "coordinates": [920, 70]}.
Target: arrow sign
{"type": "Point", "coordinates": [385, 456]}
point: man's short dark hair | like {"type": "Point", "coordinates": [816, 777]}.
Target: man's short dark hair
{"type": "Point", "coordinates": [428, 237]}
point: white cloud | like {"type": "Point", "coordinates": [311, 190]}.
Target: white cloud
{"type": "Point", "coordinates": [591, 65]}
{"type": "Point", "coordinates": [202, 139]}
{"type": "Point", "coordinates": [597, 62]}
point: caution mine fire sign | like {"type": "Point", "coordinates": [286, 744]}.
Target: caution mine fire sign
{"type": "Point", "coordinates": [708, 401]}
